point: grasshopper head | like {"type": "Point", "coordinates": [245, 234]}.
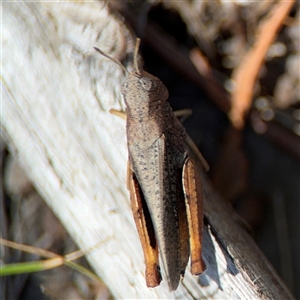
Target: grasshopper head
{"type": "Point", "coordinates": [142, 88]}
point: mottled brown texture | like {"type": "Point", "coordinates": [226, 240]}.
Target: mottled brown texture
{"type": "Point", "coordinates": [158, 154]}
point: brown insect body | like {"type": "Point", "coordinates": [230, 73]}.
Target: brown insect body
{"type": "Point", "coordinates": [157, 157]}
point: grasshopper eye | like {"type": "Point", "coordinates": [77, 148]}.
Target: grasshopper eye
{"type": "Point", "coordinates": [148, 84]}
{"type": "Point", "coordinates": [124, 88]}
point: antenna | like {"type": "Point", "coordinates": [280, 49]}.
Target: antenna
{"type": "Point", "coordinates": [112, 59]}
{"type": "Point", "coordinates": [136, 51]}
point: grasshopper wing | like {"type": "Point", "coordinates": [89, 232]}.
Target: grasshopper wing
{"type": "Point", "coordinates": [158, 173]}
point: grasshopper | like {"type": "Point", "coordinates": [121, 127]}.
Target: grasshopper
{"type": "Point", "coordinates": [163, 181]}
